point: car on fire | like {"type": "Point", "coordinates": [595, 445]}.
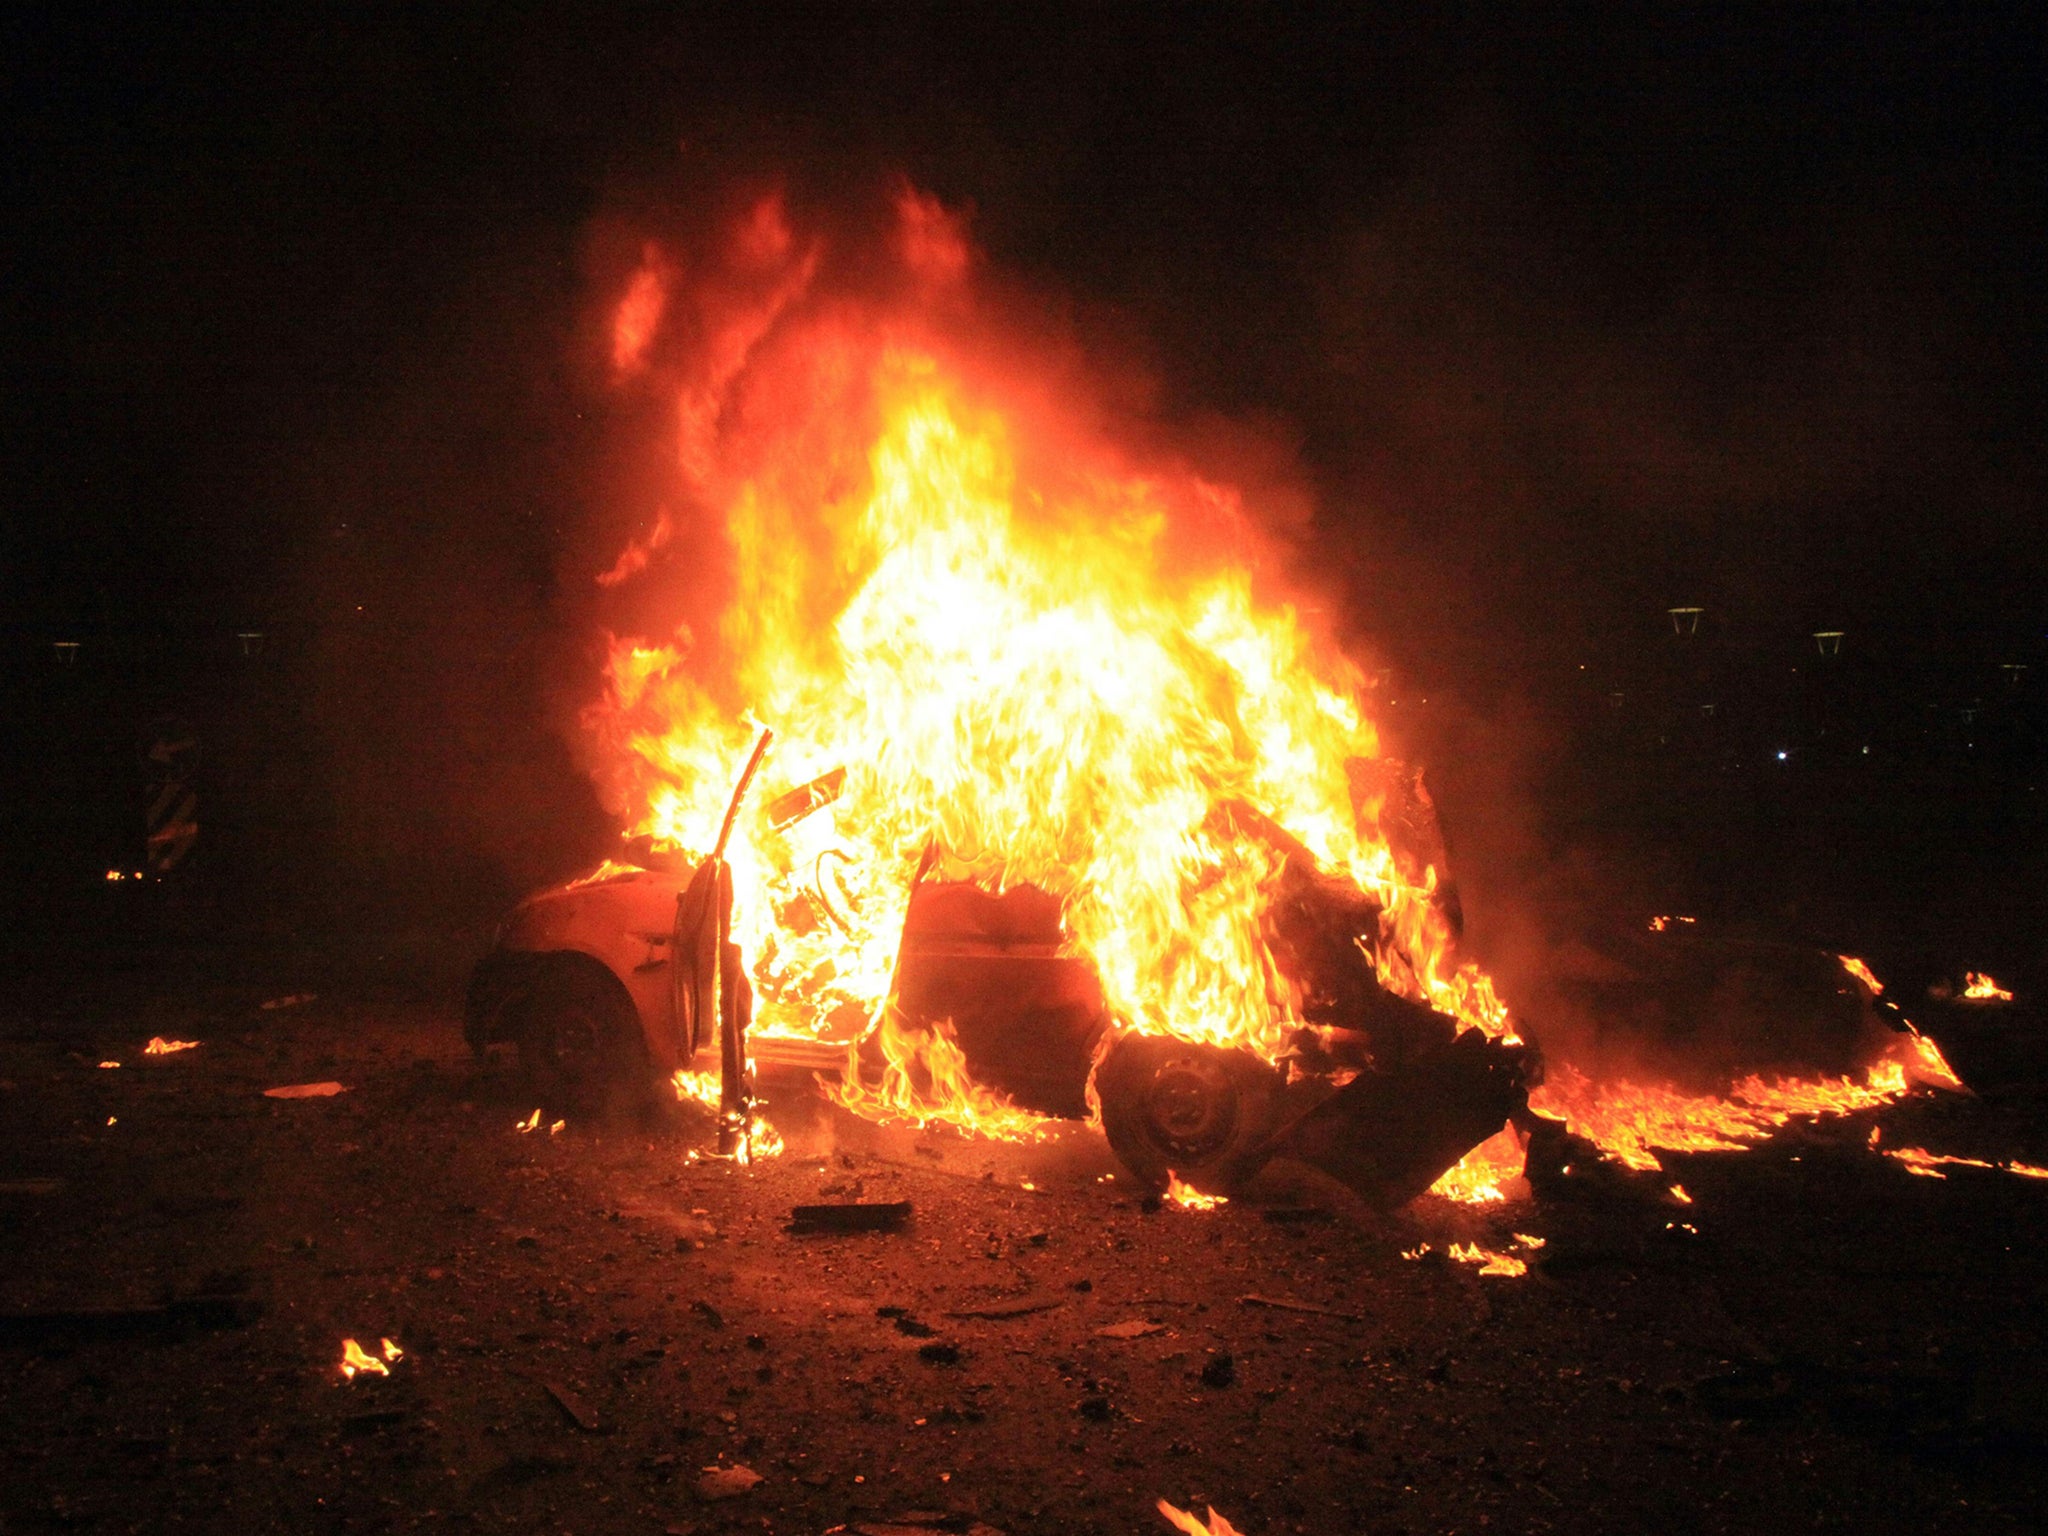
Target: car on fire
{"type": "Point", "coordinates": [609, 984]}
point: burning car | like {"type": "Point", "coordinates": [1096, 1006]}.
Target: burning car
{"type": "Point", "coordinates": [1073, 810]}
{"type": "Point", "coordinates": [608, 984]}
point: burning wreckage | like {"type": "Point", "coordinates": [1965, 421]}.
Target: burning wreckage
{"type": "Point", "coordinates": [1070, 813]}
{"type": "Point", "coordinates": [609, 984]}
{"type": "Point", "coordinates": [627, 977]}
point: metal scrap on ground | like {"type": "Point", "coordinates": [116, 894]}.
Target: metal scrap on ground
{"type": "Point", "coordinates": [1289, 1304]}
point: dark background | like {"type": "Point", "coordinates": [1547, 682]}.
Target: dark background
{"type": "Point", "coordinates": [1569, 319]}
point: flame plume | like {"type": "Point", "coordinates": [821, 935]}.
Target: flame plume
{"type": "Point", "coordinates": [1047, 662]}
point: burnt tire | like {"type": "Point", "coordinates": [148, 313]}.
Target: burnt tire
{"type": "Point", "coordinates": [1200, 1112]}
{"type": "Point", "coordinates": [580, 1047]}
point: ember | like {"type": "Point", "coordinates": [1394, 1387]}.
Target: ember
{"type": "Point", "coordinates": [159, 1046]}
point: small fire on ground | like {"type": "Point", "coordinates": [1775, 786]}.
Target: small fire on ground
{"type": "Point", "coordinates": [357, 1361]}
{"type": "Point", "coordinates": [1191, 1524]}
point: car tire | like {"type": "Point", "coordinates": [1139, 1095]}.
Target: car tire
{"type": "Point", "coordinates": [1198, 1112]}
{"type": "Point", "coordinates": [580, 1047]}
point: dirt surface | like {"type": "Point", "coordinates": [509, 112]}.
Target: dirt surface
{"type": "Point", "coordinates": [591, 1319]}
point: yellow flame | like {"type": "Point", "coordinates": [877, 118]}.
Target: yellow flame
{"type": "Point", "coordinates": [1477, 1177]}
{"type": "Point", "coordinates": [697, 1087]}
{"type": "Point", "coordinates": [1978, 987]}
{"type": "Point", "coordinates": [1187, 1197]}
{"type": "Point", "coordinates": [530, 1123]}
{"type": "Point", "coordinates": [357, 1361]}
{"type": "Point", "coordinates": [1190, 1524]}
{"type": "Point", "coordinates": [1489, 1262]}
{"type": "Point", "coordinates": [1862, 973]}
{"type": "Point", "coordinates": [1632, 1122]}
{"type": "Point", "coordinates": [924, 1081]}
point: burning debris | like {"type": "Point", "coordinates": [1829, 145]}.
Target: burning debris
{"type": "Point", "coordinates": [159, 1046]}
{"type": "Point", "coordinates": [357, 1361]}
{"type": "Point", "coordinates": [1980, 988]}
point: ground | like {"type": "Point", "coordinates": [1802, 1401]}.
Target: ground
{"type": "Point", "coordinates": [592, 1318]}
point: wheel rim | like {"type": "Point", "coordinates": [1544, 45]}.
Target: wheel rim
{"type": "Point", "coordinates": [1190, 1109]}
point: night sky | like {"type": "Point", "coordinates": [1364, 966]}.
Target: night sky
{"type": "Point", "coordinates": [1569, 318]}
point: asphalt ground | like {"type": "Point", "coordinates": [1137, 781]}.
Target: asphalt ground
{"type": "Point", "coordinates": [600, 1324]}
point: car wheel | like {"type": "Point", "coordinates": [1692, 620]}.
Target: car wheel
{"type": "Point", "coordinates": [1199, 1112]}
{"type": "Point", "coordinates": [580, 1046]}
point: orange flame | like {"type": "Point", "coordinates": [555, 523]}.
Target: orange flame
{"type": "Point", "coordinates": [924, 1081]}
{"type": "Point", "coordinates": [1862, 973]}
{"type": "Point", "coordinates": [1187, 1198]}
{"type": "Point", "coordinates": [1632, 1122]}
{"type": "Point", "coordinates": [1477, 1177]}
{"type": "Point", "coordinates": [1024, 650]}
{"type": "Point", "coordinates": [1978, 987]}
{"type": "Point", "coordinates": [159, 1046]}
{"type": "Point", "coordinates": [1489, 1262]}
{"type": "Point", "coordinates": [357, 1361]}
{"type": "Point", "coordinates": [638, 315]}
{"type": "Point", "coordinates": [1190, 1524]}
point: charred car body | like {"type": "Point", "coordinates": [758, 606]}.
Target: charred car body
{"type": "Point", "coordinates": [611, 983]}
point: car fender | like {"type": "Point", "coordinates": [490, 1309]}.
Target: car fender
{"type": "Point", "coordinates": [623, 921]}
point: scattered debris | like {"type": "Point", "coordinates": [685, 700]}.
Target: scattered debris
{"type": "Point", "coordinates": [1014, 1309]}
{"type": "Point", "coordinates": [713, 1318]}
{"type": "Point", "coordinates": [715, 1483]}
{"type": "Point", "coordinates": [305, 1091]}
{"type": "Point", "coordinates": [1135, 1328]}
{"type": "Point", "coordinates": [292, 1001]}
{"type": "Point", "coordinates": [939, 1353]}
{"type": "Point", "coordinates": [1289, 1304]}
{"type": "Point", "coordinates": [575, 1409]}
{"type": "Point", "coordinates": [856, 1216]}
{"type": "Point", "coordinates": [1220, 1371]}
